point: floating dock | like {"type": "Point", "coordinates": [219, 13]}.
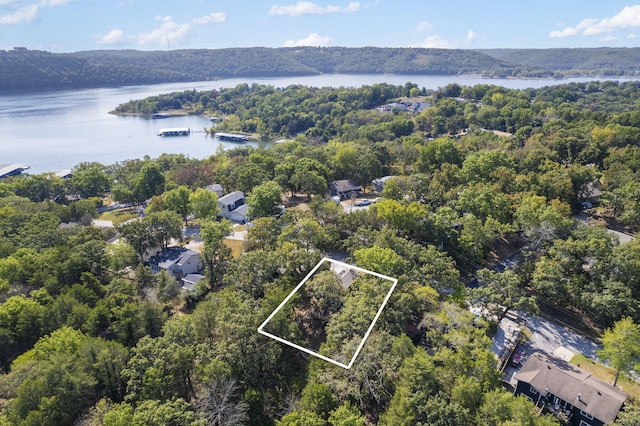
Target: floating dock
{"type": "Point", "coordinates": [232, 137]}
{"type": "Point", "coordinates": [159, 115]}
{"type": "Point", "coordinates": [177, 131]}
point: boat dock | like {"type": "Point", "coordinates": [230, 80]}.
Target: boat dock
{"type": "Point", "coordinates": [177, 131]}
{"type": "Point", "coordinates": [232, 137]}
{"type": "Point", "coordinates": [7, 170]}
{"type": "Point", "coordinates": [159, 115]}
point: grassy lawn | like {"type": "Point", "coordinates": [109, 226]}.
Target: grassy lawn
{"type": "Point", "coordinates": [606, 374]}
{"type": "Point", "coordinates": [117, 216]}
{"type": "Point", "coordinates": [235, 246]}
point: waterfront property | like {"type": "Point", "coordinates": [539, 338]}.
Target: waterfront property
{"type": "Point", "coordinates": [176, 131]}
{"type": "Point", "coordinates": [231, 137]}
{"type": "Point", "coordinates": [15, 169]}
{"type": "Point", "coordinates": [569, 392]}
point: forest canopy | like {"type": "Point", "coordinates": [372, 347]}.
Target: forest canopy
{"type": "Point", "coordinates": [91, 335]}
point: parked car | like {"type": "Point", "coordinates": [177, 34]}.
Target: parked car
{"type": "Point", "coordinates": [363, 203]}
{"type": "Point", "coordinates": [518, 358]}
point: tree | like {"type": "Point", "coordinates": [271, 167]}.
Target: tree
{"type": "Point", "coordinates": [621, 347]}
{"type": "Point", "coordinates": [437, 152]}
{"type": "Point", "coordinates": [381, 260]}
{"type": "Point", "coordinates": [264, 199]}
{"type": "Point", "coordinates": [301, 418]}
{"type": "Point", "coordinates": [204, 204]}
{"type": "Point", "coordinates": [148, 182]}
{"type": "Point", "coordinates": [91, 181]}
{"type": "Point", "coordinates": [219, 404]}
{"type": "Point", "coordinates": [177, 200]}
{"type": "Point", "coordinates": [347, 415]}
{"type": "Point", "coordinates": [309, 182]}
{"type": "Point", "coordinates": [500, 292]}
{"type": "Point", "coordinates": [135, 232]}
{"type": "Point", "coordinates": [367, 167]}
{"type": "Point", "coordinates": [216, 255]}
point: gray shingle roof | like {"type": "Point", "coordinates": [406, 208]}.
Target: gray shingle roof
{"type": "Point", "coordinates": [566, 381]}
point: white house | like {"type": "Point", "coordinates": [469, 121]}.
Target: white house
{"type": "Point", "coordinates": [233, 207]}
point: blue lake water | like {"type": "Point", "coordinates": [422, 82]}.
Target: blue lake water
{"type": "Point", "coordinates": [57, 130]}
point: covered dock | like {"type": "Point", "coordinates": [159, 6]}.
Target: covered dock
{"type": "Point", "coordinates": [232, 137]}
{"type": "Point", "coordinates": [177, 131]}
{"type": "Point", "coordinates": [14, 169]}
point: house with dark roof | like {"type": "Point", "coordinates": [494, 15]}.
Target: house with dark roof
{"type": "Point", "coordinates": [343, 188]}
{"type": "Point", "coordinates": [569, 392]}
{"type": "Point", "coordinates": [177, 261]}
{"type": "Point", "coordinates": [233, 207]}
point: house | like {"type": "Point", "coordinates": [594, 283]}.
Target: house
{"type": "Point", "coordinates": [569, 392]}
{"type": "Point", "coordinates": [378, 184]}
{"type": "Point", "coordinates": [217, 188]}
{"type": "Point", "coordinates": [233, 207]}
{"type": "Point", "coordinates": [343, 188]}
{"type": "Point", "coordinates": [177, 261]}
{"type": "Point", "coordinates": [593, 191]}
{"type": "Point", "coordinates": [7, 170]}
{"type": "Point", "coordinates": [344, 273]}
{"type": "Point", "coordinates": [189, 281]}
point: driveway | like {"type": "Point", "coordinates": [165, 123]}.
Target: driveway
{"type": "Point", "coordinates": [546, 336]}
{"type": "Point", "coordinates": [549, 336]}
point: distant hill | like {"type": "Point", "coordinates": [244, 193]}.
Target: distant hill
{"type": "Point", "coordinates": [23, 69]}
{"type": "Point", "coordinates": [604, 61]}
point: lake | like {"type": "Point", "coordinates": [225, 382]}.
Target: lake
{"type": "Point", "coordinates": [56, 130]}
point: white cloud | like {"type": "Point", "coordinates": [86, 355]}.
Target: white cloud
{"type": "Point", "coordinates": [308, 8]}
{"type": "Point", "coordinates": [53, 3]}
{"type": "Point", "coordinates": [609, 38]}
{"type": "Point", "coordinates": [631, 36]}
{"type": "Point", "coordinates": [424, 26]}
{"type": "Point", "coordinates": [22, 15]}
{"type": "Point", "coordinates": [213, 18]}
{"type": "Point", "coordinates": [435, 42]}
{"type": "Point", "coordinates": [27, 13]}
{"type": "Point", "coordinates": [313, 39]}
{"type": "Point", "coordinates": [471, 36]}
{"type": "Point", "coordinates": [629, 17]}
{"type": "Point", "coordinates": [571, 31]}
{"type": "Point", "coordinates": [169, 31]}
{"type": "Point", "coordinates": [12, 3]}
{"type": "Point", "coordinates": [113, 37]}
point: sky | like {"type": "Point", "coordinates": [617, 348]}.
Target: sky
{"type": "Point", "coordinates": [76, 25]}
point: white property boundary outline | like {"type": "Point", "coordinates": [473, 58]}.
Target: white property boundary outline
{"type": "Point", "coordinates": [295, 290]}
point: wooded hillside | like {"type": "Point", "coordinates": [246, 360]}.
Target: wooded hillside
{"type": "Point", "coordinates": [24, 69]}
